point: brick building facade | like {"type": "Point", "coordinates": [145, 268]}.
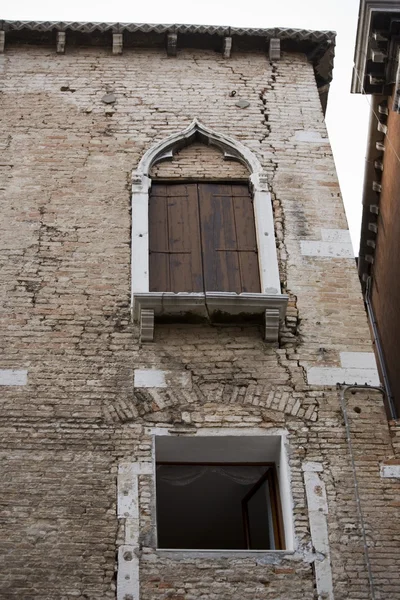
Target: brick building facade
{"type": "Point", "coordinates": [89, 406]}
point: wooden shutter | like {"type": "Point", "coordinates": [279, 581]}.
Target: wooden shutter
{"type": "Point", "coordinates": [174, 239]}
{"type": "Point", "coordinates": [228, 237]}
{"type": "Point", "coordinates": [202, 238]}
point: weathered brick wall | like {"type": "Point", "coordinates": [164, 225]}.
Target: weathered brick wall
{"type": "Point", "coordinates": [65, 235]}
{"type": "Point", "coordinates": [201, 162]}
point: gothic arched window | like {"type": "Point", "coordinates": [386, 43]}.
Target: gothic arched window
{"type": "Point", "coordinates": [203, 245]}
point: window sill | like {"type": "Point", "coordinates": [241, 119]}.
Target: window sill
{"type": "Point", "coordinates": [214, 307]}
{"type": "Point", "coordinates": [178, 553]}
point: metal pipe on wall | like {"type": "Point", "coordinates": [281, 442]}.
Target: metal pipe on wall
{"type": "Point", "coordinates": [343, 391]}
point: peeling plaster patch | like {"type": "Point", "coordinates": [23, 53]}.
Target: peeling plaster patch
{"type": "Point", "coordinates": [358, 360]}
{"type": "Point", "coordinates": [310, 136]}
{"type": "Point", "coordinates": [154, 378]}
{"type": "Point", "coordinates": [13, 377]}
{"type": "Point", "coordinates": [326, 249]}
{"type": "Point", "coordinates": [390, 471]}
{"type": "Point", "coordinates": [333, 375]}
{"type": "Point", "coordinates": [317, 511]}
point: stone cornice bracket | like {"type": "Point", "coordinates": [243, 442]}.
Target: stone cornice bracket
{"type": "Point", "coordinates": [272, 317]}
{"type": "Point", "coordinates": [227, 47]}
{"type": "Point", "coordinates": [146, 325]}
{"type": "Point", "coordinates": [61, 39]}
{"type": "Point", "coordinates": [274, 49]}
{"type": "Point", "coordinates": [375, 46]}
{"type": "Point", "coordinates": [117, 43]}
{"type": "Point", "coordinates": [172, 44]}
{"type": "Point", "coordinates": [2, 41]}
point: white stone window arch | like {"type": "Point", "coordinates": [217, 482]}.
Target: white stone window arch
{"type": "Point", "coordinates": [146, 304]}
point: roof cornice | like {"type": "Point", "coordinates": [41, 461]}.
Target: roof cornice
{"type": "Point", "coordinates": [116, 27]}
{"type": "Point", "coordinates": [372, 54]}
{"type": "Point", "coordinates": [318, 45]}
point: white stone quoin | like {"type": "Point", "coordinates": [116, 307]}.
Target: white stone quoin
{"type": "Point", "coordinates": [335, 243]}
{"type": "Point", "coordinates": [356, 368]}
{"type": "Point", "coordinates": [13, 376]}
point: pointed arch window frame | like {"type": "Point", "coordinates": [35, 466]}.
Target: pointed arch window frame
{"type": "Point", "coordinates": [146, 304]}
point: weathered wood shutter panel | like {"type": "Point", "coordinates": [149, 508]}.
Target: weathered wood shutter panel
{"type": "Point", "coordinates": [230, 259]}
{"type": "Point", "coordinates": [202, 238]}
{"type": "Point", "coordinates": [174, 242]}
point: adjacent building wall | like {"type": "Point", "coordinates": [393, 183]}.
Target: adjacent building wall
{"type": "Point", "coordinates": [385, 294]}
{"type": "Point", "coordinates": [79, 420]}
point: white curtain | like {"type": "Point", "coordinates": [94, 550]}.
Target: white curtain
{"type": "Point", "coordinates": [181, 475]}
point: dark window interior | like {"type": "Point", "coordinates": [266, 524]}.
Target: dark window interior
{"type": "Point", "coordinates": [217, 506]}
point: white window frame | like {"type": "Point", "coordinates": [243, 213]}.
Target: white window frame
{"type": "Point", "coordinates": [254, 437]}
{"type": "Point", "coordinates": [145, 303]}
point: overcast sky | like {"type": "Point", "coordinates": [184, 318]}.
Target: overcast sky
{"type": "Point", "coordinates": [347, 116]}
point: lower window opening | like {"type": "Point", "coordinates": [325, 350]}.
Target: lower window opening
{"type": "Point", "coordinates": [218, 506]}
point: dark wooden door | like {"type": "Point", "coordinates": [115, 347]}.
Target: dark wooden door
{"type": "Point", "coordinates": [202, 238]}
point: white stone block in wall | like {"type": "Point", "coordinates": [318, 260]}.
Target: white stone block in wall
{"type": "Point", "coordinates": [13, 376]}
{"type": "Point", "coordinates": [128, 573]}
{"type": "Point", "coordinates": [358, 360]}
{"type": "Point", "coordinates": [127, 491]}
{"type": "Point", "coordinates": [317, 511]}
{"type": "Point", "coordinates": [390, 471]}
{"type": "Point", "coordinates": [336, 235]}
{"type": "Point", "coordinates": [333, 375]}
{"type": "Point", "coordinates": [326, 249]}
{"type": "Point", "coordinates": [149, 378]}
{"type": "Point", "coordinates": [313, 137]}
{"type": "Point", "coordinates": [155, 378]}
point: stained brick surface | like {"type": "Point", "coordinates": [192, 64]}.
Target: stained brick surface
{"type": "Point", "coordinates": [65, 169]}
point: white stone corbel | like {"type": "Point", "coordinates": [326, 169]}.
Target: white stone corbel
{"type": "Point", "coordinates": [146, 325]}
{"type": "Point", "coordinates": [117, 43]}
{"type": "Point", "coordinates": [2, 41]}
{"type": "Point", "coordinates": [377, 187]}
{"type": "Point", "coordinates": [274, 49]}
{"type": "Point", "coordinates": [271, 324]}
{"type": "Point", "coordinates": [61, 39]}
{"type": "Point", "coordinates": [227, 47]}
{"type": "Point", "coordinates": [377, 56]}
{"type": "Point", "coordinates": [382, 128]}
{"type": "Point", "coordinates": [172, 44]}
